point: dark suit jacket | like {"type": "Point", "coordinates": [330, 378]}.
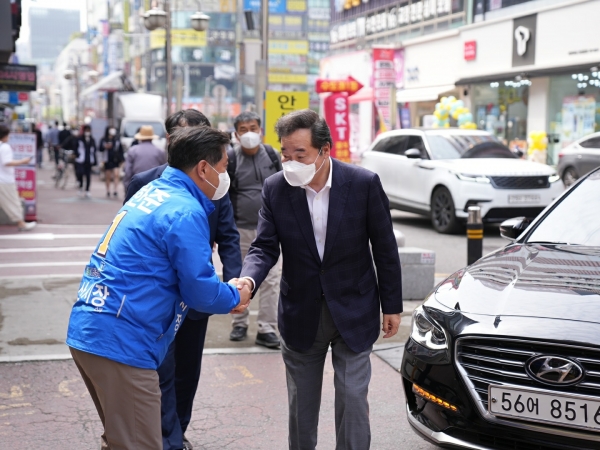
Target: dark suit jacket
{"type": "Point", "coordinates": [222, 229]}
{"type": "Point", "coordinates": [358, 214]}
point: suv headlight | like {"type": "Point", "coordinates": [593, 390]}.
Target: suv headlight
{"type": "Point", "coordinates": [473, 178]}
{"type": "Point", "coordinates": [554, 178]}
{"type": "Point", "coordinates": [426, 332]}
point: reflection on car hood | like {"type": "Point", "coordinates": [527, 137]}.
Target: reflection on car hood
{"type": "Point", "coordinates": [552, 281]}
{"type": "Point", "coordinates": [491, 166]}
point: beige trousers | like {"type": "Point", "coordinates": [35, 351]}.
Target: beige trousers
{"type": "Point", "coordinates": [10, 202]}
{"type": "Point", "coordinates": [127, 400]}
{"type": "Point", "coordinates": [269, 292]}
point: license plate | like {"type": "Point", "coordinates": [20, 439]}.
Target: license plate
{"type": "Point", "coordinates": [544, 406]}
{"type": "Point", "coordinates": [517, 199]}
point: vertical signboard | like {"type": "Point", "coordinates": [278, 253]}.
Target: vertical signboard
{"type": "Point", "coordinates": [278, 104]}
{"type": "Point", "coordinates": [384, 79]}
{"type": "Point", "coordinates": [23, 145]}
{"type": "Point", "coordinates": [337, 116]}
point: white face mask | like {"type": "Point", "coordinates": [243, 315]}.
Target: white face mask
{"type": "Point", "coordinates": [223, 186]}
{"type": "Point", "coordinates": [112, 132]}
{"type": "Point", "coordinates": [298, 174]}
{"type": "Point", "coordinates": [250, 139]}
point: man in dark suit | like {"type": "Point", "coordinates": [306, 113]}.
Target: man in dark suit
{"type": "Point", "coordinates": [180, 371]}
{"type": "Point", "coordinates": [323, 214]}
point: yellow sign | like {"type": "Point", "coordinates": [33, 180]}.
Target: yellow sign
{"type": "Point", "coordinates": [179, 38]}
{"type": "Point", "coordinates": [277, 47]}
{"type": "Point", "coordinates": [278, 104]}
{"type": "Point", "coordinates": [296, 5]}
{"type": "Point", "coordinates": [288, 78]}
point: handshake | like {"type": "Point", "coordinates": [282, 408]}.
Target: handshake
{"type": "Point", "coordinates": [245, 288]}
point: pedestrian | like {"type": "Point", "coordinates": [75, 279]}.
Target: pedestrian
{"type": "Point", "coordinates": [143, 156]}
{"type": "Point", "coordinates": [112, 156]}
{"type": "Point", "coordinates": [179, 372]}
{"type": "Point", "coordinates": [85, 158]}
{"type": "Point", "coordinates": [9, 196]}
{"type": "Point", "coordinates": [332, 221]}
{"type": "Point", "coordinates": [53, 141]}
{"type": "Point", "coordinates": [250, 164]}
{"type": "Point", "coordinates": [149, 268]}
{"type": "Point", "coordinates": [39, 146]}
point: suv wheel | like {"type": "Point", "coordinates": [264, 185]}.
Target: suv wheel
{"type": "Point", "coordinates": [443, 216]}
{"type": "Point", "coordinates": [569, 177]}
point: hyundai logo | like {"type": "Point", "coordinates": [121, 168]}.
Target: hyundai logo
{"type": "Point", "coordinates": [554, 370]}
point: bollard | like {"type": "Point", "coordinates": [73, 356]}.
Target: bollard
{"type": "Point", "coordinates": [474, 235]}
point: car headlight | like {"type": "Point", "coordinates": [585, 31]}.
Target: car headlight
{"type": "Point", "coordinates": [426, 332]}
{"type": "Point", "coordinates": [554, 178]}
{"type": "Point", "coordinates": [473, 178]}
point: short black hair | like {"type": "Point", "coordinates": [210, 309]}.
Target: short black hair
{"type": "Point", "coordinates": [4, 131]}
{"type": "Point", "coordinates": [305, 119]}
{"type": "Point", "coordinates": [246, 116]}
{"type": "Point", "coordinates": [190, 145]}
{"type": "Point", "coordinates": [185, 118]}
{"type": "Point", "coordinates": [86, 128]}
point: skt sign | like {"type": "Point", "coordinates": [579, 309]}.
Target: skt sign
{"type": "Point", "coordinates": [351, 86]}
{"type": "Point", "coordinates": [337, 116]}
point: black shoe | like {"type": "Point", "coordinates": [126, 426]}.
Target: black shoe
{"type": "Point", "coordinates": [238, 334]}
{"type": "Point", "coordinates": [108, 194]}
{"type": "Point", "coordinates": [187, 445]}
{"type": "Point", "coordinates": [115, 194]}
{"type": "Point", "coordinates": [269, 340]}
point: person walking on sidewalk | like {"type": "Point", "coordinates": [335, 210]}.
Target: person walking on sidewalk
{"type": "Point", "coordinates": [323, 214]}
{"type": "Point", "coordinates": [179, 372]}
{"type": "Point", "coordinates": [85, 158]}
{"type": "Point", "coordinates": [53, 141]}
{"type": "Point", "coordinates": [250, 164]}
{"type": "Point", "coordinates": [151, 266]}
{"type": "Point", "coordinates": [9, 197]}
{"type": "Point", "coordinates": [112, 157]}
{"type": "Point", "coordinates": [143, 156]}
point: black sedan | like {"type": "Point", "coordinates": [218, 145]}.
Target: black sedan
{"type": "Point", "coordinates": [505, 354]}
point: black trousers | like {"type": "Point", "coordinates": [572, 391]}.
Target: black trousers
{"type": "Point", "coordinates": [84, 170]}
{"type": "Point", "coordinates": [179, 375]}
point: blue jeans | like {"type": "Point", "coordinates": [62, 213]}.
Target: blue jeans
{"type": "Point", "coordinates": [179, 375]}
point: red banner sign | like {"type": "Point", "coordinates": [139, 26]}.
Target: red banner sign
{"type": "Point", "coordinates": [23, 145]}
{"type": "Point", "coordinates": [337, 116]}
{"type": "Point", "coordinates": [351, 86]}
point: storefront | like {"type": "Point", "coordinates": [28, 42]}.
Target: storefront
{"type": "Point", "coordinates": [538, 72]}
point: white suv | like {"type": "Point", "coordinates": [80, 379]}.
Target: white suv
{"type": "Point", "coordinates": [441, 172]}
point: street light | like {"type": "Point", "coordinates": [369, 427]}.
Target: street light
{"type": "Point", "coordinates": [157, 18]}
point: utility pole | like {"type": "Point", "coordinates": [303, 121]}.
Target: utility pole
{"type": "Point", "coordinates": [262, 66]}
{"type": "Point", "coordinates": [169, 62]}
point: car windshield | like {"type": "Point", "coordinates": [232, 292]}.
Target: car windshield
{"type": "Point", "coordinates": [575, 220]}
{"type": "Point", "coordinates": [453, 146]}
{"type": "Point", "coordinates": [131, 128]}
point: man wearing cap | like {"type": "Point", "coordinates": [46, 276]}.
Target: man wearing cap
{"type": "Point", "coordinates": [143, 156]}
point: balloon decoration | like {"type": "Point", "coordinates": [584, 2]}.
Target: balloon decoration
{"type": "Point", "coordinates": [451, 108]}
{"type": "Point", "coordinates": [537, 144]}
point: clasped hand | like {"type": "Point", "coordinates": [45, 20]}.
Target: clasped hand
{"type": "Point", "coordinates": [244, 287]}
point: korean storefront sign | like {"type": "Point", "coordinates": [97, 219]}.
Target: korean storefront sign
{"type": "Point", "coordinates": [278, 104]}
{"type": "Point", "coordinates": [180, 38]}
{"type": "Point", "coordinates": [16, 77]}
{"type": "Point", "coordinates": [384, 81]}
{"type": "Point", "coordinates": [337, 116]}
{"type": "Point", "coordinates": [391, 18]}
{"type": "Point", "coordinates": [23, 145]}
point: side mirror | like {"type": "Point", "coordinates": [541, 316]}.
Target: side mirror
{"type": "Point", "coordinates": [413, 153]}
{"type": "Point", "coordinates": [511, 229]}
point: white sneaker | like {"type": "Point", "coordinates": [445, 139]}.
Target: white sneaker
{"type": "Point", "coordinates": [80, 192]}
{"type": "Point", "coordinates": [28, 226]}
{"type": "Point", "coordinates": [88, 195]}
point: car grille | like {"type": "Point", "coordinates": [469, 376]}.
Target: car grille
{"type": "Point", "coordinates": [530, 182]}
{"type": "Point", "coordinates": [488, 361]}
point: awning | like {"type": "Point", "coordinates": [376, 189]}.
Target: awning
{"type": "Point", "coordinates": [113, 82]}
{"type": "Point", "coordinates": [422, 94]}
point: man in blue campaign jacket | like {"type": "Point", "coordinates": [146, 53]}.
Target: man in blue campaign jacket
{"type": "Point", "coordinates": [179, 372]}
{"type": "Point", "coordinates": [150, 267]}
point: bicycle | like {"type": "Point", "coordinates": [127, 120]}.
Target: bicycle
{"type": "Point", "coordinates": [62, 168]}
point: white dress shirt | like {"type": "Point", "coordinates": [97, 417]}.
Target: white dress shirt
{"type": "Point", "coordinates": [318, 206]}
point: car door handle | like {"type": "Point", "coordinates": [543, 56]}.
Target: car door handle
{"type": "Point", "coordinates": [425, 167]}
{"type": "Point", "coordinates": [579, 156]}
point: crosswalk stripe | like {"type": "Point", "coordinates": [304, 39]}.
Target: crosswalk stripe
{"type": "Point", "coordinates": [46, 249]}
{"type": "Point", "coordinates": [48, 236]}
{"type": "Point", "coordinates": [44, 264]}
